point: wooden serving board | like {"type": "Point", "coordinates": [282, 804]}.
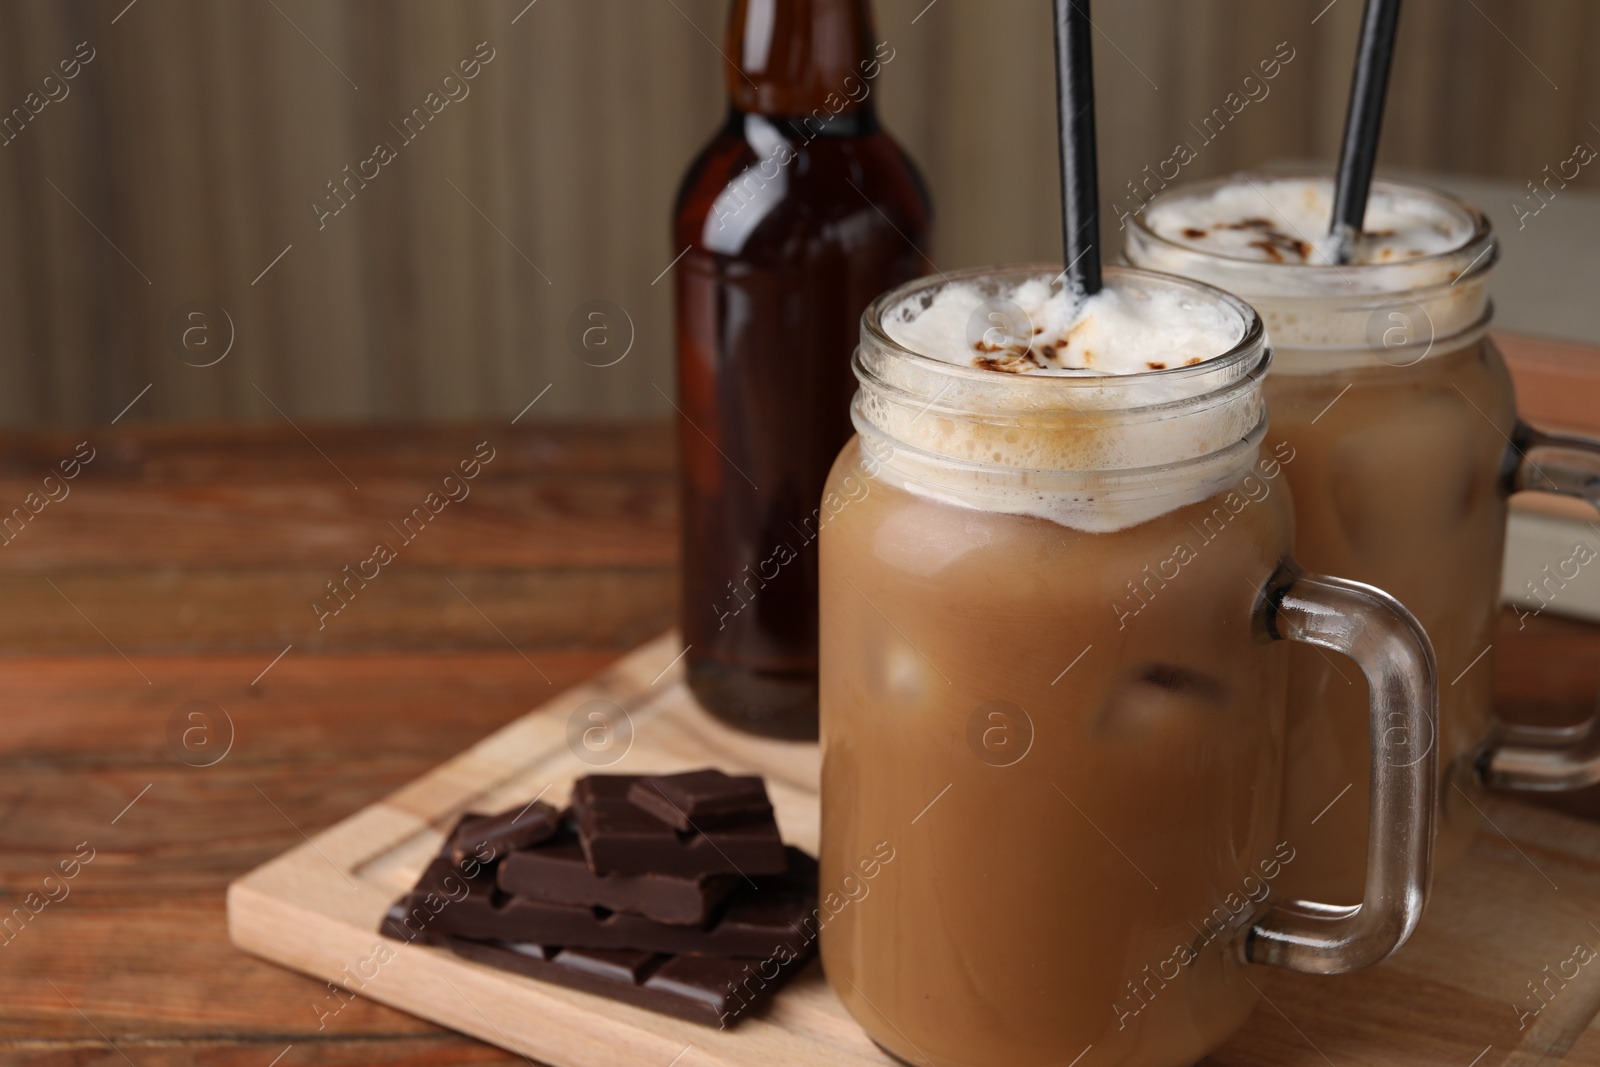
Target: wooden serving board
{"type": "Point", "coordinates": [1525, 897]}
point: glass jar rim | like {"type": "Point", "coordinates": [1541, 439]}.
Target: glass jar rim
{"type": "Point", "coordinates": [1246, 358]}
{"type": "Point", "coordinates": [1483, 246]}
{"type": "Point", "coordinates": [1095, 452]}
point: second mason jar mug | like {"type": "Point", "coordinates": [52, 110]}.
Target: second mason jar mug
{"type": "Point", "coordinates": [1400, 411]}
{"type": "Point", "coordinates": [1055, 615]}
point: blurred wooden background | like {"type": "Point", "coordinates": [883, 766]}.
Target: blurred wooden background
{"type": "Point", "coordinates": [182, 161]}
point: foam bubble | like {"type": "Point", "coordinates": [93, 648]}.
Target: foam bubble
{"type": "Point", "coordinates": [1043, 328]}
{"type": "Point", "coordinates": [1285, 220]}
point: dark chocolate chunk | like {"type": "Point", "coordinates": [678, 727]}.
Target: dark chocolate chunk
{"type": "Point", "coordinates": [396, 923]}
{"type": "Point", "coordinates": [757, 921]}
{"type": "Point", "coordinates": [487, 838]}
{"type": "Point", "coordinates": [556, 871]}
{"type": "Point", "coordinates": [770, 916]}
{"type": "Point", "coordinates": [702, 800]}
{"type": "Point", "coordinates": [619, 838]}
{"type": "Point", "coordinates": [708, 991]}
{"type": "Point", "coordinates": [617, 965]}
{"type": "Point", "coordinates": [416, 916]}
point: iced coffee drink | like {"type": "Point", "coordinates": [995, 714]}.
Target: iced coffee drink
{"type": "Point", "coordinates": [1401, 417]}
{"type": "Point", "coordinates": [1056, 562]}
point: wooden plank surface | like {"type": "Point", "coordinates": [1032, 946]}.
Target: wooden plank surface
{"type": "Point", "coordinates": [322, 735]}
{"type": "Point", "coordinates": [140, 945]}
{"type": "Point", "coordinates": [194, 550]}
{"type": "Point", "coordinates": [220, 539]}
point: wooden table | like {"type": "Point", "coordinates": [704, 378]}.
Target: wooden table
{"type": "Point", "coordinates": [182, 564]}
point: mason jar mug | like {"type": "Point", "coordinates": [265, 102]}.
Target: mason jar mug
{"type": "Point", "coordinates": [1400, 412]}
{"type": "Point", "coordinates": [1056, 612]}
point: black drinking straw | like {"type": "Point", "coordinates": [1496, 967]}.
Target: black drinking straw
{"type": "Point", "coordinates": [1362, 124]}
{"type": "Point", "coordinates": [1080, 188]}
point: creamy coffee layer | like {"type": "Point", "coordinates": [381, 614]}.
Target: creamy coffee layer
{"type": "Point", "coordinates": [1285, 220]}
{"type": "Point", "coordinates": [1044, 327]}
{"type": "Point", "coordinates": [1011, 393]}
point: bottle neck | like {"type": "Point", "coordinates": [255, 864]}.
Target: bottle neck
{"type": "Point", "coordinates": [794, 58]}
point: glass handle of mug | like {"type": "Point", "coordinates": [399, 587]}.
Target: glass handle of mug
{"type": "Point", "coordinates": [1372, 628]}
{"type": "Point", "coordinates": [1536, 758]}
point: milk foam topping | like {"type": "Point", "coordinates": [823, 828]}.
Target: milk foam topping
{"type": "Point", "coordinates": [1286, 220]}
{"type": "Point", "coordinates": [1007, 391]}
{"type": "Point", "coordinates": [1418, 285]}
{"type": "Point", "coordinates": [1045, 327]}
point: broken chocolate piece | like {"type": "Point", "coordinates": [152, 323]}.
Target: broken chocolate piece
{"type": "Point", "coordinates": [487, 838]}
{"type": "Point", "coordinates": [702, 800]}
{"type": "Point", "coordinates": [620, 838]}
{"type": "Point", "coordinates": [711, 992]}
{"type": "Point", "coordinates": [760, 920]}
{"type": "Point", "coordinates": [415, 916]}
{"type": "Point", "coordinates": [556, 871]}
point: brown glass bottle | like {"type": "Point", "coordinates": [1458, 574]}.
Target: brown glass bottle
{"type": "Point", "coordinates": [798, 213]}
